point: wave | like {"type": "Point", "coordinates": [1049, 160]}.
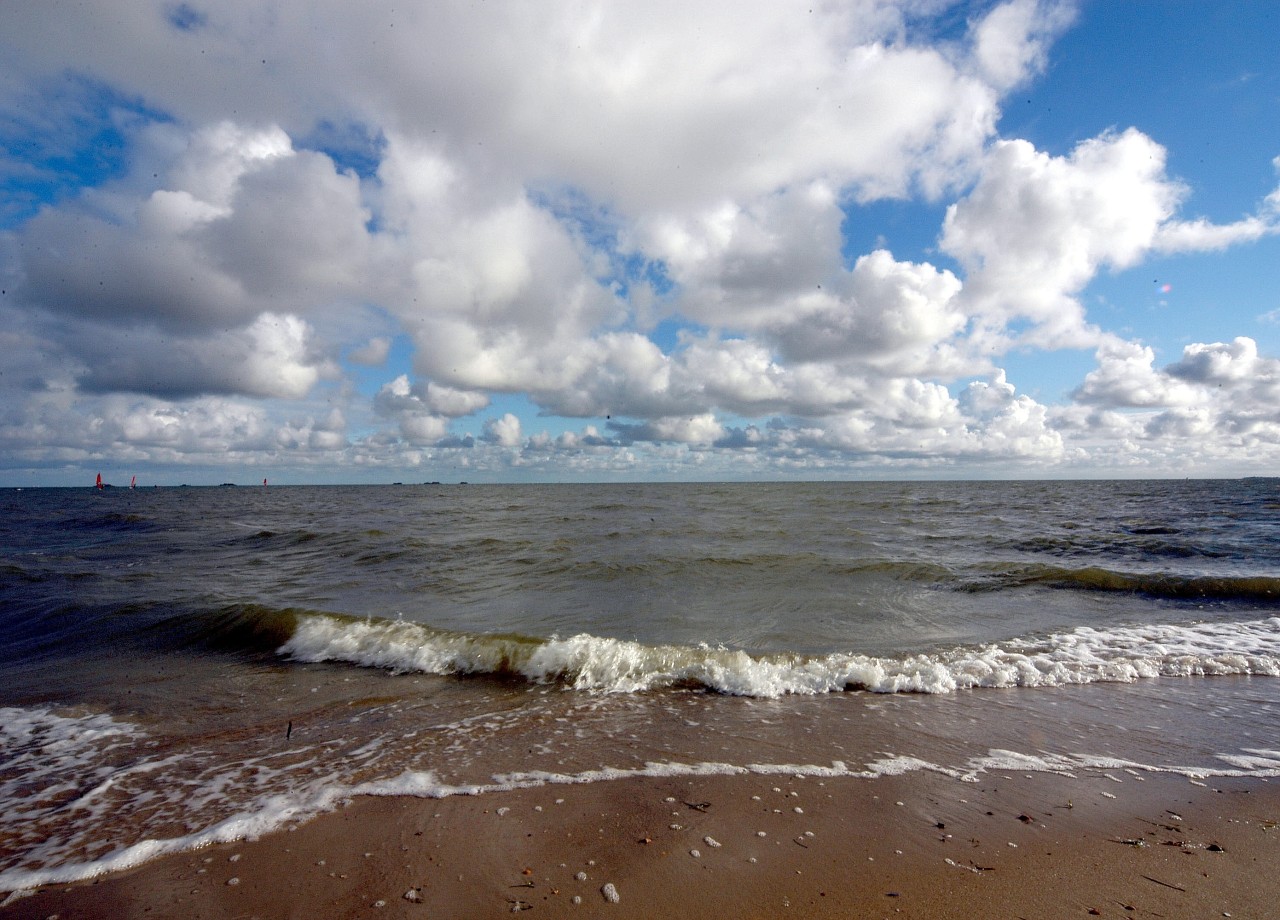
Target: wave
{"type": "Point", "coordinates": [593, 663]}
{"type": "Point", "coordinates": [254, 628]}
{"type": "Point", "coordinates": [1159, 585]}
{"type": "Point", "coordinates": [84, 755]}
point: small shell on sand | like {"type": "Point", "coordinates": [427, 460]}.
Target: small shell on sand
{"type": "Point", "coordinates": [610, 893]}
{"type": "Point", "coordinates": [711, 842]}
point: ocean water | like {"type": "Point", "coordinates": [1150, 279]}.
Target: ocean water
{"type": "Point", "coordinates": [189, 665]}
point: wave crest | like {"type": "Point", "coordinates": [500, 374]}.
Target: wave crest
{"type": "Point", "coordinates": [601, 664]}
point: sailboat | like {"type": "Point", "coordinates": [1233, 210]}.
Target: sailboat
{"type": "Point", "coordinates": [133, 483]}
{"type": "Point", "coordinates": [99, 483]}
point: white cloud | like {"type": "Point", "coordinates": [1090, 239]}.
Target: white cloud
{"type": "Point", "coordinates": [201, 285]}
{"type": "Point", "coordinates": [1201, 235]}
{"type": "Point", "coordinates": [911, 420]}
{"type": "Point", "coordinates": [738, 264]}
{"type": "Point", "coordinates": [701, 429]}
{"type": "Point", "coordinates": [504, 431]}
{"type": "Point", "coordinates": [1126, 377]}
{"type": "Point", "coordinates": [1037, 228]}
{"type": "Point", "coordinates": [878, 311]}
{"type": "Point", "coordinates": [1010, 43]}
{"type": "Point", "coordinates": [452, 402]}
{"type": "Point", "coordinates": [1232, 377]}
{"type": "Point", "coordinates": [372, 353]}
{"type": "Point", "coordinates": [424, 410]}
{"type": "Point", "coordinates": [424, 429]}
{"type": "Point", "coordinates": [496, 293]}
{"type": "Point", "coordinates": [310, 434]}
{"type": "Point", "coordinates": [534, 197]}
{"type": "Point", "coordinates": [272, 357]}
{"type": "Point", "coordinates": [1232, 363]}
{"type": "Point", "coordinates": [1005, 424]}
{"type": "Point", "coordinates": [1214, 408]}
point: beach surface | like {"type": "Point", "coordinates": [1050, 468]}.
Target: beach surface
{"type": "Point", "coordinates": [1096, 843]}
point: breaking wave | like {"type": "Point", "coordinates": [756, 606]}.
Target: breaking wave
{"type": "Point", "coordinates": [593, 663]}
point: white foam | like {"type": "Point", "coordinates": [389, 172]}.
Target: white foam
{"type": "Point", "coordinates": [272, 812]}
{"type": "Point", "coordinates": [593, 663]}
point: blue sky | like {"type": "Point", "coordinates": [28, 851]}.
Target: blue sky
{"type": "Point", "coordinates": [863, 239]}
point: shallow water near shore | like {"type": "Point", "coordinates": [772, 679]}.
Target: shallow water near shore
{"type": "Point", "coordinates": [191, 665]}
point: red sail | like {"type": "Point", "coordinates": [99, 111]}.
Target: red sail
{"type": "Point", "coordinates": [99, 483]}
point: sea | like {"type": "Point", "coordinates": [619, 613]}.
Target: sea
{"type": "Point", "coordinates": [182, 666]}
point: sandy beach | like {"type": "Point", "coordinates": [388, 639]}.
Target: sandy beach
{"type": "Point", "coordinates": [1113, 844]}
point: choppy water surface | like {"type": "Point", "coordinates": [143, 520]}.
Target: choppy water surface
{"type": "Point", "coordinates": [214, 662]}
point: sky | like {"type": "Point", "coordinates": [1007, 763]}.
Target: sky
{"type": "Point", "coordinates": [579, 240]}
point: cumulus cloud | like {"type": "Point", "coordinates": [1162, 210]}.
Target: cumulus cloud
{"type": "Point", "coordinates": [242, 224]}
{"type": "Point", "coordinates": [632, 214]}
{"type": "Point", "coordinates": [1217, 404]}
{"type": "Point", "coordinates": [199, 287]}
{"type": "Point", "coordinates": [878, 311]}
{"type": "Point", "coordinates": [701, 429]}
{"type": "Point", "coordinates": [272, 357]}
{"type": "Point", "coordinates": [739, 263]}
{"type": "Point", "coordinates": [1037, 228]}
{"type": "Point", "coordinates": [1232, 363]}
{"type": "Point", "coordinates": [1011, 42]}
{"type": "Point", "coordinates": [424, 410]}
{"type": "Point", "coordinates": [504, 431]}
{"type": "Point", "coordinates": [1126, 377]}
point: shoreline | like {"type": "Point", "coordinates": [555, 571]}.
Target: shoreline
{"type": "Point", "coordinates": [1112, 843]}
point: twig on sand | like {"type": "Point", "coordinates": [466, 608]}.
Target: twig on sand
{"type": "Point", "coordinates": [1165, 884]}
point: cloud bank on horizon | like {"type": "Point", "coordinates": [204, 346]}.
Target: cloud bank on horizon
{"type": "Point", "coordinates": [593, 240]}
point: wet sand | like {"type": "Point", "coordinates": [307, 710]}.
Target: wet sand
{"type": "Point", "coordinates": [921, 845]}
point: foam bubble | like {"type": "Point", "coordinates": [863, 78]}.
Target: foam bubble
{"type": "Point", "coordinates": [601, 664]}
{"type": "Point", "coordinates": [272, 812]}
